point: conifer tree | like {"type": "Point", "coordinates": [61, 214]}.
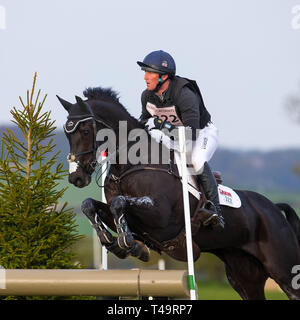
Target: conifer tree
{"type": "Point", "coordinates": [36, 231]}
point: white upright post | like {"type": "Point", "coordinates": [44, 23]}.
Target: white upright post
{"type": "Point", "coordinates": [187, 218]}
{"type": "Point", "coordinates": [104, 252]}
{"type": "Point", "coordinates": [161, 264]}
{"type": "Point", "coordinates": [100, 260]}
{"type": "Point", "coordinates": [96, 251]}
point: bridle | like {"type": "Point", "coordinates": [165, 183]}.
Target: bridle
{"type": "Point", "coordinates": [71, 157]}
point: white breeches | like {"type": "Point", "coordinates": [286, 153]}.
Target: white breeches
{"type": "Point", "coordinates": [204, 147]}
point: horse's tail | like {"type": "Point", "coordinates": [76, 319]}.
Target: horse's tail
{"type": "Point", "coordinates": [291, 217]}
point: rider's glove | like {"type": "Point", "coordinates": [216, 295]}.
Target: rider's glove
{"type": "Point", "coordinates": [155, 123]}
{"type": "Point", "coordinates": [156, 135]}
{"type": "Point", "coordinates": [160, 137]}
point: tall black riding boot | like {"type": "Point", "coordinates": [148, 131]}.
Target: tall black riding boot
{"type": "Point", "coordinates": [212, 208]}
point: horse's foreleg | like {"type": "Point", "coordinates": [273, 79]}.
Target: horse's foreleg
{"type": "Point", "coordinates": [125, 237]}
{"type": "Point", "coordinates": [95, 211]}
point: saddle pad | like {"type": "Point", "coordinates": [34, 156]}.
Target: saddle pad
{"type": "Point", "coordinates": [227, 196]}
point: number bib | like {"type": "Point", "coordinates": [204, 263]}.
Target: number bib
{"type": "Point", "coordinates": [166, 114]}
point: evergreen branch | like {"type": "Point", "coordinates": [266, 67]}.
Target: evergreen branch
{"type": "Point", "coordinates": [20, 119]}
{"type": "Point", "coordinates": [10, 136]}
{"type": "Point", "coordinates": [33, 87]}
{"type": "Point", "coordinates": [37, 98]}
{"type": "Point", "coordinates": [28, 158]}
{"type": "Point", "coordinates": [41, 104]}
{"type": "Point", "coordinates": [27, 108]}
{"type": "Point", "coordinates": [21, 103]}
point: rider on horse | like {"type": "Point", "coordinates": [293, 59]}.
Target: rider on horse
{"type": "Point", "coordinates": [169, 101]}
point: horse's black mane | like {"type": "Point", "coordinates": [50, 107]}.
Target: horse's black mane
{"type": "Point", "coordinates": [99, 93]}
{"type": "Point", "coordinates": [107, 94]}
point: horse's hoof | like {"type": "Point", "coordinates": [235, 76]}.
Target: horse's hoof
{"type": "Point", "coordinates": [140, 251]}
{"type": "Point", "coordinates": [117, 251]}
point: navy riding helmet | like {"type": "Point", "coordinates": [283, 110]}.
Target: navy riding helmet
{"type": "Point", "coordinates": [160, 62]}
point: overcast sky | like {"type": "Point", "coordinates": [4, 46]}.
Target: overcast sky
{"type": "Point", "coordinates": [244, 54]}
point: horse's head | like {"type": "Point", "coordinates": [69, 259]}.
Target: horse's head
{"type": "Point", "coordinates": [80, 130]}
{"type": "Point", "coordinates": [86, 119]}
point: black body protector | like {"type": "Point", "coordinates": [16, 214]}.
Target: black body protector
{"type": "Point", "coordinates": [181, 104]}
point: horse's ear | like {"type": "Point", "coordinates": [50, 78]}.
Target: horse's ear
{"type": "Point", "coordinates": [67, 105]}
{"type": "Point", "coordinates": [84, 107]}
{"type": "Point", "coordinates": [79, 100]}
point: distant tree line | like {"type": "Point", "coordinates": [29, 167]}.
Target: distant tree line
{"type": "Point", "coordinates": [292, 106]}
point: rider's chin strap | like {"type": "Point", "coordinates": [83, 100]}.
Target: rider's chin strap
{"type": "Point", "coordinates": [160, 83]}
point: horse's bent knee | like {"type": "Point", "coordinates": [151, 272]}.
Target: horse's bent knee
{"type": "Point", "coordinates": [118, 203]}
{"type": "Point", "coordinates": [87, 206]}
{"type": "Point", "coordinates": [141, 202]}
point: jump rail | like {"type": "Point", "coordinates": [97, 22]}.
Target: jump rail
{"type": "Point", "coordinates": [77, 282]}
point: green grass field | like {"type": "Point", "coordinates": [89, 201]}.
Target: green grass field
{"type": "Point", "coordinates": [218, 291]}
{"type": "Point", "coordinates": [74, 196]}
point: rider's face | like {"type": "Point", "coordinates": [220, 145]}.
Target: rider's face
{"type": "Point", "coordinates": [151, 79]}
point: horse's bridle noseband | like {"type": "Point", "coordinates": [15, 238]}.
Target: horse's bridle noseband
{"type": "Point", "coordinates": [92, 164]}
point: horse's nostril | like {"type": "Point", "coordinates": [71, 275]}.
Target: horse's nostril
{"type": "Point", "coordinates": [78, 182]}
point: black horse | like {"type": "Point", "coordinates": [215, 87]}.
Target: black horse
{"type": "Point", "coordinates": [145, 207]}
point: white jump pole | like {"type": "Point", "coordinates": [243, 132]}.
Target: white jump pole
{"type": "Point", "coordinates": [96, 251]}
{"type": "Point", "coordinates": [100, 261]}
{"type": "Point", "coordinates": [187, 217]}
{"type": "Point", "coordinates": [104, 252]}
